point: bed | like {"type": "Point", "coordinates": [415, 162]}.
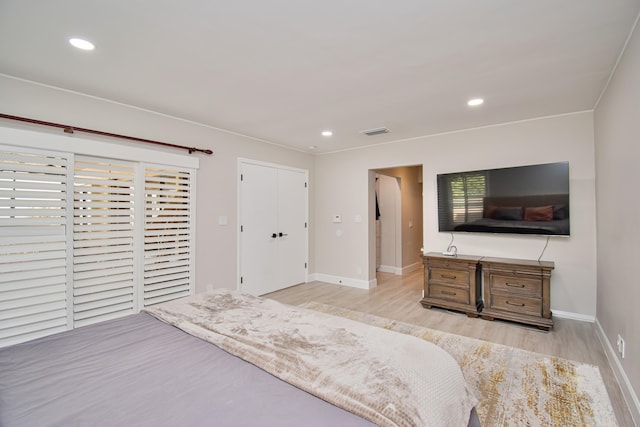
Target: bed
{"type": "Point", "coordinates": [540, 214]}
{"type": "Point", "coordinates": [202, 360]}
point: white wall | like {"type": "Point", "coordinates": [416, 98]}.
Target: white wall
{"type": "Point", "coordinates": [340, 182]}
{"type": "Point", "coordinates": [617, 132]}
{"type": "Point", "coordinates": [216, 257]}
{"type": "Point", "coordinates": [342, 187]}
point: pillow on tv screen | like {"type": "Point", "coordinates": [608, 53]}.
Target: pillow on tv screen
{"type": "Point", "coordinates": [510, 213]}
{"type": "Point", "coordinates": [490, 211]}
{"type": "Point", "coordinates": [560, 212]}
{"type": "Point", "coordinates": [539, 213]}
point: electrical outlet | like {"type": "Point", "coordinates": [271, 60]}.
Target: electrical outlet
{"type": "Point", "coordinates": [620, 343]}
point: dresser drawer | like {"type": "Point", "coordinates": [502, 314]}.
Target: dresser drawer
{"type": "Point", "coordinates": [454, 277]}
{"type": "Point", "coordinates": [517, 290]}
{"type": "Point", "coordinates": [449, 293]}
{"type": "Point", "coordinates": [515, 303]}
{"type": "Point", "coordinates": [516, 285]}
{"type": "Point", "coordinates": [452, 282]}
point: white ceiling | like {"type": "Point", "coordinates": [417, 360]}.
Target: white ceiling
{"type": "Point", "coordinates": [284, 70]}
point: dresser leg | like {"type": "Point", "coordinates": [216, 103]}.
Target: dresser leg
{"type": "Point", "coordinates": [425, 305]}
{"type": "Point", "coordinates": [488, 318]}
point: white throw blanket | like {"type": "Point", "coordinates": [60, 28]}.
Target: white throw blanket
{"type": "Point", "coordinates": [386, 377]}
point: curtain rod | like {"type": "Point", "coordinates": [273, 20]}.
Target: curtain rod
{"type": "Point", "coordinates": [72, 129]}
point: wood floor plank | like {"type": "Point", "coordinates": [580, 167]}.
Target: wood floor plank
{"type": "Point", "coordinates": [398, 297]}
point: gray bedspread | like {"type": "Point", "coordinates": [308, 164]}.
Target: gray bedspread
{"type": "Point", "coordinates": [139, 371]}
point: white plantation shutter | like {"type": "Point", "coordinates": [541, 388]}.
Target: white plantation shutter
{"type": "Point", "coordinates": [33, 261]}
{"type": "Point", "coordinates": [85, 239]}
{"type": "Point", "coordinates": [168, 239]}
{"type": "Point", "coordinates": [103, 240]}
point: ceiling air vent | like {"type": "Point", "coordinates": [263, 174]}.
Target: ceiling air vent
{"type": "Point", "coordinates": [372, 132]}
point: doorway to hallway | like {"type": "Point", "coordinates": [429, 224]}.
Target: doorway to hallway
{"type": "Point", "coordinates": [397, 211]}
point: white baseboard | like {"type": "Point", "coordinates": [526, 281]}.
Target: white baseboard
{"type": "Point", "coordinates": [573, 316]}
{"type": "Point", "coordinates": [630, 396]}
{"type": "Point", "coordinates": [390, 269]}
{"type": "Point", "coordinates": [409, 268]}
{"type": "Point", "coordinates": [400, 270]}
{"type": "Point", "coordinates": [363, 284]}
{"type": "Point", "coordinates": [345, 281]}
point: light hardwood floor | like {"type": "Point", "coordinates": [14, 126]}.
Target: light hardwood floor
{"type": "Point", "coordinates": [398, 297]}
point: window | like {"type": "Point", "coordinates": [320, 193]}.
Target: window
{"type": "Point", "coordinates": [103, 240]}
{"type": "Point", "coordinates": [33, 218]}
{"type": "Point", "coordinates": [168, 254]}
{"type": "Point", "coordinates": [86, 239]}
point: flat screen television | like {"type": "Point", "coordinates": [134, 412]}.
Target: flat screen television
{"type": "Point", "coordinates": [531, 199]}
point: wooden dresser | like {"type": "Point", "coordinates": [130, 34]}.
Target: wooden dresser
{"type": "Point", "coordinates": [451, 282]}
{"type": "Point", "coordinates": [517, 290]}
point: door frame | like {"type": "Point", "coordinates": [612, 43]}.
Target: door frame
{"type": "Point", "coordinates": [372, 217]}
{"type": "Point", "coordinates": [244, 160]}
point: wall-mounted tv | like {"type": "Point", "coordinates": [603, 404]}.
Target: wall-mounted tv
{"type": "Point", "coordinates": [531, 199]}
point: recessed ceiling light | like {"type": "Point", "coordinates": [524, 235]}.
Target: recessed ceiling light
{"type": "Point", "coordinates": [82, 44]}
{"type": "Point", "coordinates": [475, 102]}
{"type": "Point", "coordinates": [327, 133]}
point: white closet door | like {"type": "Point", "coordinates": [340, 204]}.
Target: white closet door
{"type": "Point", "coordinates": [273, 238]}
{"type": "Point", "coordinates": [259, 228]}
{"type": "Point", "coordinates": [292, 213]}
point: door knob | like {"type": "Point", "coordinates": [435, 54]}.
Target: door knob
{"type": "Point", "coordinates": [274, 235]}
{"type": "Point", "coordinates": [282, 234]}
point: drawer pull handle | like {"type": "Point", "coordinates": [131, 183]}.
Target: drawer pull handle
{"type": "Point", "coordinates": [453, 294]}
{"type": "Point", "coordinates": [515, 285]}
{"type": "Point", "coordinates": [515, 303]}
{"type": "Point", "coordinates": [448, 276]}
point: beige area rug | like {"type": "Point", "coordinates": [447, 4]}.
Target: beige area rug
{"type": "Point", "coordinates": [515, 387]}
